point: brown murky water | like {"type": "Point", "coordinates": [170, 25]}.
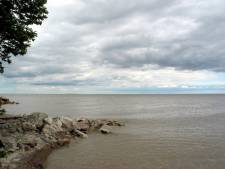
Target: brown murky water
{"type": "Point", "coordinates": [162, 131]}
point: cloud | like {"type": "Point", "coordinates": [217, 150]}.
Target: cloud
{"type": "Point", "coordinates": [129, 43]}
{"type": "Point", "coordinates": [183, 35]}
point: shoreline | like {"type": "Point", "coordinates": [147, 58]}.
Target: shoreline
{"type": "Point", "coordinates": [26, 141]}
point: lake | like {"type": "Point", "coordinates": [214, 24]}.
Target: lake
{"type": "Point", "coordinates": [161, 132]}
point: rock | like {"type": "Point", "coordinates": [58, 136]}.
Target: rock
{"type": "Point", "coordinates": [83, 124]}
{"type": "Point", "coordinates": [37, 119]}
{"type": "Point", "coordinates": [64, 141]}
{"type": "Point", "coordinates": [105, 129]}
{"type": "Point", "coordinates": [80, 134]}
{"type": "Point", "coordinates": [9, 144]}
{"type": "Point", "coordinates": [97, 124]}
{"type": "Point", "coordinates": [4, 100]}
{"type": "Point", "coordinates": [27, 140]}
{"type": "Point", "coordinates": [114, 123]}
{"type": "Point", "coordinates": [48, 120]}
{"type": "Point", "coordinates": [27, 126]}
{"type": "Point", "coordinates": [10, 127]}
{"type": "Point", "coordinates": [53, 128]}
{"type": "Point", "coordinates": [67, 123]}
{"type": "Point", "coordinates": [57, 122]}
{"type": "Point", "coordinates": [10, 117]}
{"type": "Point", "coordinates": [74, 123]}
{"type": "Point", "coordinates": [40, 166]}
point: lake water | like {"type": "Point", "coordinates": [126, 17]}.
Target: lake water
{"type": "Point", "coordinates": [161, 132]}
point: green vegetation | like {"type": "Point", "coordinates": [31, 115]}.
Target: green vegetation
{"type": "Point", "coordinates": [2, 111]}
{"type": "Point", "coordinates": [3, 153]}
{"type": "Point", "coordinates": [16, 19]}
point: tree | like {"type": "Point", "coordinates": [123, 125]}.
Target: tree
{"type": "Point", "coordinates": [16, 19]}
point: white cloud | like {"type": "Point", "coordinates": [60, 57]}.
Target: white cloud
{"type": "Point", "coordinates": [92, 44]}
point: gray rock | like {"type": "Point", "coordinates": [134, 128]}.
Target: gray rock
{"type": "Point", "coordinates": [67, 123]}
{"type": "Point", "coordinates": [97, 124]}
{"type": "Point", "coordinates": [30, 140]}
{"type": "Point", "coordinates": [23, 137]}
{"type": "Point", "coordinates": [83, 124]}
{"type": "Point", "coordinates": [105, 129]}
{"type": "Point", "coordinates": [27, 126]}
{"type": "Point", "coordinates": [52, 129]}
{"type": "Point", "coordinates": [80, 134]}
{"type": "Point", "coordinates": [4, 100]}
{"type": "Point", "coordinates": [114, 123]}
{"type": "Point", "coordinates": [37, 119]}
{"type": "Point", "coordinates": [9, 144]}
{"type": "Point", "coordinates": [63, 141]}
{"type": "Point", "coordinates": [27, 142]}
{"type": "Point", "coordinates": [48, 120]}
{"type": "Point", "coordinates": [57, 122]}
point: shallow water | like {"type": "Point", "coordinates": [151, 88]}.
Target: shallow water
{"type": "Point", "coordinates": [162, 131]}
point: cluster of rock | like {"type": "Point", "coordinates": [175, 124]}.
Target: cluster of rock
{"type": "Point", "coordinates": [4, 100]}
{"type": "Point", "coordinates": [26, 141]}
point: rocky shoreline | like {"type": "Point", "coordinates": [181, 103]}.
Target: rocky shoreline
{"type": "Point", "coordinates": [27, 140]}
{"type": "Point", "coordinates": [4, 100]}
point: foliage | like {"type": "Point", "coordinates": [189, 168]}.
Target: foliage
{"type": "Point", "coordinates": [3, 153]}
{"type": "Point", "coordinates": [2, 111]}
{"type": "Point", "coordinates": [16, 19]}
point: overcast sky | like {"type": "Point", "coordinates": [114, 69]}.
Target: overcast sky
{"type": "Point", "coordinates": [124, 46]}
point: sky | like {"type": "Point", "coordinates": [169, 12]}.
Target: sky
{"type": "Point", "coordinates": [124, 46]}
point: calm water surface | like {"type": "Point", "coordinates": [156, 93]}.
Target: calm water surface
{"type": "Point", "coordinates": [162, 131]}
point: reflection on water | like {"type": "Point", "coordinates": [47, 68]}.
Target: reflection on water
{"type": "Point", "coordinates": [162, 131]}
